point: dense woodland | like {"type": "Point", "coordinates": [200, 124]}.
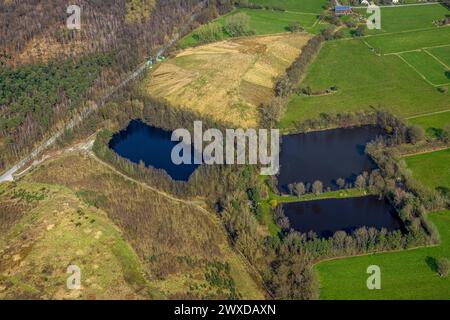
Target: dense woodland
{"type": "Point", "coordinates": [48, 72]}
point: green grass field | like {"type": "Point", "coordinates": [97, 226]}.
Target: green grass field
{"type": "Point", "coordinates": [410, 40]}
{"type": "Point", "coordinates": [311, 6]}
{"type": "Point", "coordinates": [442, 54]}
{"type": "Point", "coordinates": [396, 19]}
{"type": "Point", "coordinates": [432, 169]}
{"type": "Point", "coordinates": [404, 275]}
{"type": "Point", "coordinates": [432, 123]}
{"type": "Point", "coordinates": [265, 22]}
{"type": "Point", "coordinates": [427, 66]}
{"type": "Point", "coordinates": [364, 80]}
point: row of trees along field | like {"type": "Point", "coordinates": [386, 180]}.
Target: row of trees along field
{"type": "Point", "coordinates": [271, 112]}
{"type": "Point", "coordinates": [48, 72]}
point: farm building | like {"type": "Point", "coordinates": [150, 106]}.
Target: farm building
{"type": "Point", "coordinates": [343, 10]}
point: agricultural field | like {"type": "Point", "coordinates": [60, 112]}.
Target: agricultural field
{"type": "Point", "coordinates": [407, 41]}
{"type": "Point", "coordinates": [400, 19]}
{"type": "Point", "coordinates": [402, 69]}
{"type": "Point", "coordinates": [404, 275]}
{"type": "Point", "coordinates": [269, 22]}
{"type": "Point", "coordinates": [308, 6]}
{"type": "Point", "coordinates": [432, 169]}
{"type": "Point", "coordinates": [430, 69]}
{"type": "Point", "coordinates": [433, 124]}
{"type": "Point", "coordinates": [263, 22]}
{"type": "Point", "coordinates": [375, 81]}
{"type": "Point", "coordinates": [228, 80]}
{"type": "Point", "coordinates": [442, 54]}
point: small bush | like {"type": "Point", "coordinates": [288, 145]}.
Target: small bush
{"type": "Point", "coordinates": [209, 33]}
{"type": "Point", "coordinates": [443, 267]}
{"type": "Point", "coordinates": [295, 27]}
{"type": "Point", "coordinates": [237, 25]}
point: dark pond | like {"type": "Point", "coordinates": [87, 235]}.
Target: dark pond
{"type": "Point", "coordinates": [326, 156]}
{"type": "Point", "coordinates": [325, 217]}
{"type": "Point", "coordinates": [153, 146]}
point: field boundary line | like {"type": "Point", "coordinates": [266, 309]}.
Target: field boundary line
{"type": "Point", "coordinates": [394, 33]}
{"type": "Point", "coordinates": [402, 52]}
{"type": "Point", "coordinates": [417, 71]}
{"type": "Point", "coordinates": [440, 46]}
{"type": "Point", "coordinates": [377, 253]}
{"type": "Point", "coordinates": [427, 114]}
{"type": "Point", "coordinates": [408, 155]}
{"type": "Point", "coordinates": [436, 58]}
{"type": "Point", "coordinates": [316, 22]}
{"type": "Point", "coordinates": [417, 50]}
{"type": "Point", "coordinates": [300, 12]}
{"type": "Point", "coordinates": [402, 5]}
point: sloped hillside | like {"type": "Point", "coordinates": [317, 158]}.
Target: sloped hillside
{"type": "Point", "coordinates": [46, 229]}
{"type": "Point", "coordinates": [227, 80]}
{"type": "Point", "coordinates": [181, 250]}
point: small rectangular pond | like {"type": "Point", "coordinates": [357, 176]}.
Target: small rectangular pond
{"type": "Point", "coordinates": [141, 142]}
{"type": "Point", "coordinates": [325, 217]}
{"type": "Point", "coordinates": [326, 156]}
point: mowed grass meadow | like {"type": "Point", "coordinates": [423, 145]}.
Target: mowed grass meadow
{"type": "Point", "coordinates": [442, 54]}
{"type": "Point", "coordinates": [396, 19]}
{"type": "Point", "coordinates": [269, 21]}
{"type": "Point", "coordinates": [427, 66]}
{"type": "Point", "coordinates": [308, 6]}
{"type": "Point", "coordinates": [411, 40]}
{"type": "Point", "coordinates": [262, 22]}
{"type": "Point", "coordinates": [404, 275]}
{"type": "Point", "coordinates": [432, 169]}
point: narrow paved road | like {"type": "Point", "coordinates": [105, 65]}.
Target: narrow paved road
{"type": "Point", "coordinates": [76, 120]}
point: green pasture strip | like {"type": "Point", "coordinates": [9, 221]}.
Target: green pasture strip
{"type": "Point", "coordinates": [404, 275]}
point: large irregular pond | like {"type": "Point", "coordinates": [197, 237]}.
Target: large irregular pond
{"type": "Point", "coordinates": [326, 156]}
{"type": "Point", "coordinates": [141, 142]}
{"type": "Point", "coordinates": [325, 217]}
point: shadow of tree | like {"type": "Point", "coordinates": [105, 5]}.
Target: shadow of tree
{"type": "Point", "coordinates": [432, 263]}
